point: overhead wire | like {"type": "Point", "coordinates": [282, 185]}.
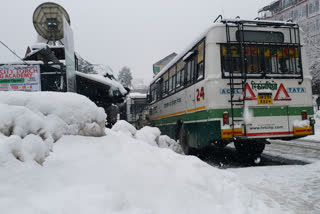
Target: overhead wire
{"type": "Point", "coordinates": [13, 52]}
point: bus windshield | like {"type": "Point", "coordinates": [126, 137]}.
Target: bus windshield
{"type": "Point", "coordinates": [266, 61]}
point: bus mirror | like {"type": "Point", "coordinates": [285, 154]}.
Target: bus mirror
{"type": "Point", "coordinates": [148, 98]}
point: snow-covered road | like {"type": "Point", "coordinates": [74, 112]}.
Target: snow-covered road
{"type": "Point", "coordinates": [295, 188]}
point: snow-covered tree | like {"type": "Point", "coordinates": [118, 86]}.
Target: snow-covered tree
{"type": "Point", "coordinates": [125, 77]}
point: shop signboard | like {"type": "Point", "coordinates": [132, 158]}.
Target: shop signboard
{"type": "Point", "coordinates": [20, 78]}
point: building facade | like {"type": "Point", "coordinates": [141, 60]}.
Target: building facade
{"type": "Point", "coordinates": [307, 14]}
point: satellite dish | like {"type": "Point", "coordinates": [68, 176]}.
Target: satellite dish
{"type": "Point", "coordinates": [47, 20]}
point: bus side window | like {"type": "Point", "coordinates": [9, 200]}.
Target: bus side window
{"type": "Point", "coordinates": [178, 79]}
{"type": "Point", "coordinates": [188, 73]}
{"type": "Point", "coordinates": [182, 75]}
{"type": "Point", "coordinates": [193, 71]}
{"type": "Point", "coordinates": [200, 71]}
{"type": "Point", "coordinates": [163, 88]}
{"type": "Point", "coordinates": [174, 81]}
{"type": "Point", "coordinates": [159, 90]}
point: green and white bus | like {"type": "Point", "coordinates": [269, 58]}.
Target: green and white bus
{"type": "Point", "coordinates": [241, 81]}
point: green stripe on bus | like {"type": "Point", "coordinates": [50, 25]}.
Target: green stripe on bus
{"type": "Point", "coordinates": [217, 113]}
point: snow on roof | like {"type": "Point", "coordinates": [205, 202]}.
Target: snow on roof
{"type": "Point", "coordinates": [38, 46]}
{"type": "Point", "coordinates": [102, 70]}
{"type": "Point", "coordinates": [22, 63]}
{"type": "Point", "coordinates": [185, 51]}
{"type": "Point", "coordinates": [137, 95]}
{"type": "Point", "coordinates": [187, 56]}
{"type": "Point", "coordinates": [106, 81]}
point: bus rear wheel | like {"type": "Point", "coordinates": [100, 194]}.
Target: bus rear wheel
{"type": "Point", "coordinates": [250, 148]}
{"type": "Point", "coordinates": [183, 140]}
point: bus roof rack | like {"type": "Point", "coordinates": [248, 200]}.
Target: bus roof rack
{"type": "Point", "coordinates": [259, 22]}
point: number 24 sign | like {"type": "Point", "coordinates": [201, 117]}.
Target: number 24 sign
{"type": "Point", "coordinates": [200, 94]}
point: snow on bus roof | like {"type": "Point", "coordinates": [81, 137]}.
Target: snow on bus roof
{"type": "Point", "coordinates": [202, 35]}
{"type": "Point", "coordinates": [259, 22]}
{"type": "Point", "coordinates": [104, 80]}
{"type": "Point", "coordinates": [184, 52]}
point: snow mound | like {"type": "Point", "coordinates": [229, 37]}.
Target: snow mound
{"type": "Point", "coordinates": [30, 148]}
{"type": "Point", "coordinates": [124, 127]}
{"type": "Point", "coordinates": [147, 134]}
{"type": "Point", "coordinates": [49, 114]}
{"type": "Point", "coordinates": [167, 142]}
{"type": "Point", "coordinates": [119, 174]}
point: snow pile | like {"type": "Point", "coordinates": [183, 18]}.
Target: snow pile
{"type": "Point", "coordinates": [124, 127]}
{"type": "Point", "coordinates": [120, 174]}
{"type": "Point", "coordinates": [167, 142]}
{"type": "Point", "coordinates": [149, 135]}
{"type": "Point", "coordinates": [49, 114]}
{"type": "Point", "coordinates": [31, 148]}
{"type": "Point", "coordinates": [301, 123]}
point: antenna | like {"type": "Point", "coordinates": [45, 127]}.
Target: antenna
{"type": "Point", "coordinates": [47, 20]}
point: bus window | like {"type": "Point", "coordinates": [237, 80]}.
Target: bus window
{"type": "Point", "coordinates": [178, 79]}
{"type": "Point", "coordinates": [167, 88]}
{"type": "Point", "coordinates": [173, 82]}
{"type": "Point", "coordinates": [190, 72]}
{"type": "Point", "coordinates": [200, 71]}
{"type": "Point", "coordinates": [159, 90]}
{"type": "Point", "coordinates": [186, 75]}
{"type": "Point", "coordinates": [182, 77]}
{"type": "Point", "coordinates": [163, 89]}
{"type": "Point", "coordinates": [170, 84]}
{"type": "Point", "coordinates": [261, 60]}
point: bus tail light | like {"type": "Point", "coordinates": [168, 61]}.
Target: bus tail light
{"type": "Point", "coordinates": [304, 115]}
{"type": "Point", "coordinates": [225, 118]}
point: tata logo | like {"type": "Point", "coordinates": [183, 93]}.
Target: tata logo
{"type": "Point", "coordinates": [227, 91]}
{"type": "Point", "coordinates": [296, 90]}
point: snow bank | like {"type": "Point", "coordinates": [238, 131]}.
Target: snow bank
{"type": "Point", "coordinates": [120, 174]}
{"type": "Point", "coordinates": [149, 135]}
{"type": "Point", "coordinates": [167, 142]}
{"type": "Point", "coordinates": [124, 127]}
{"type": "Point", "coordinates": [31, 148]}
{"type": "Point", "coordinates": [49, 114]}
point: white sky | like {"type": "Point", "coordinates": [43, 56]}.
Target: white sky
{"type": "Point", "coordinates": [133, 33]}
